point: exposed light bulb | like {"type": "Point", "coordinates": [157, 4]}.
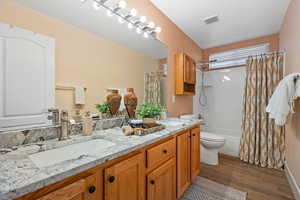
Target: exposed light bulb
{"type": "Point", "coordinates": [138, 31]}
{"type": "Point", "coordinates": [96, 5]}
{"type": "Point", "coordinates": [109, 13]}
{"type": "Point", "coordinates": [120, 20]}
{"type": "Point", "coordinates": [133, 12]}
{"type": "Point", "coordinates": [157, 29]}
{"type": "Point", "coordinates": [143, 19]}
{"type": "Point", "coordinates": [130, 26]}
{"type": "Point", "coordinates": [83, 1]}
{"type": "Point", "coordinates": [146, 35]}
{"type": "Point", "coordinates": [122, 4]}
{"type": "Point", "coordinates": [151, 24]}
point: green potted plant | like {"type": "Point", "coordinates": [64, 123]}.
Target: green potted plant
{"type": "Point", "coordinates": [149, 112]}
{"type": "Point", "coordinates": [103, 109]}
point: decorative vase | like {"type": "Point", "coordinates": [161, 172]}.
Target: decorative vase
{"type": "Point", "coordinates": [113, 100]}
{"type": "Point", "coordinates": [130, 101]}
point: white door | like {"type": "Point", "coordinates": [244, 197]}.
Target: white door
{"type": "Point", "coordinates": [26, 78]}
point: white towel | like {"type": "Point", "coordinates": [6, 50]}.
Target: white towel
{"type": "Point", "coordinates": [122, 92]}
{"type": "Point", "coordinates": [79, 96]}
{"type": "Point", "coordinates": [282, 100]}
{"type": "Point", "coordinates": [297, 93]}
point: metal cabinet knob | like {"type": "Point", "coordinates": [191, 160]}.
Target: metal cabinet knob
{"type": "Point", "coordinates": [92, 189]}
{"type": "Point", "coordinates": [165, 151]}
{"type": "Point", "coordinates": [152, 182]}
{"type": "Point", "coordinates": [111, 179]}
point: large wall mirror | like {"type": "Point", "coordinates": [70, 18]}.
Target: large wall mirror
{"type": "Point", "coordinates": [64, 45]}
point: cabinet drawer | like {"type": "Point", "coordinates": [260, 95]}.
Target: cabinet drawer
{"type": "Point", "coordinates": [160, 153]}
{"type": "Point", "coordinates": [83, 189]}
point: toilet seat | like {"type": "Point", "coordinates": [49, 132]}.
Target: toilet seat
{"type": "Point", "coordinates": [211, 137]}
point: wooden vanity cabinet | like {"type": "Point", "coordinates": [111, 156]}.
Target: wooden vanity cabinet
{"type": "Point", "coordinates": [83, 189]}
{"type": "Point", "coordinates": [160, 153]}
{"type": "Point", "coordinates": [125, 180]}
{"type": "Point", "coordinates": [188, 159]}
{"type": "Point", "coordinates": [160, 171]}
{"type": "Point", "coordinates": [195, 152]}
{"type": "Point", "coordinates": [161, 183]}
{"type": "Point", "coordinates": [183, 162]}
{"type": "Point", "coordinates": [84, 186]}
{"type": "Point", "coordinates": [185, 68]}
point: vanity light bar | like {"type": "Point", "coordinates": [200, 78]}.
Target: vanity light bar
{"type": "Point", "coordinates": [140, 23]}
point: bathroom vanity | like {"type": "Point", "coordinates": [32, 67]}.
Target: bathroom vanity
{"type": "Point", "coordinates": [157, 166]}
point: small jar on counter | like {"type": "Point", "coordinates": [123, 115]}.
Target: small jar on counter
{"type": "Point", "coordinates": [87, 124]}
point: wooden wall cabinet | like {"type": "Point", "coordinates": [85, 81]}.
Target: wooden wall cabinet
{"type": "Point", "coordinates": [185, 68]}
{"type": "Point", "coordinates": [188, 159]}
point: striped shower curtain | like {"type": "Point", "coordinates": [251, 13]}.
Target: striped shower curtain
{"type": "Point", "coordinates": [152, 88]}
{"type": "Point", "coordinates": [262, 142]}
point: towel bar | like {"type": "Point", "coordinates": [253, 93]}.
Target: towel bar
{"type": "Point", "coordinates": [59, 87]}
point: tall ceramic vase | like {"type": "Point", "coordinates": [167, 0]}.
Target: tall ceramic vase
{"type": "Point", "coordinates": [130, 101]}
{"type": "Point", "coordinates": [113, 100]}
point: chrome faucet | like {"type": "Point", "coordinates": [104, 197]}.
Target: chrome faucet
{"type": "Point", "coordinates": [55, 116]}
{"type": "Point", "coordinates": [65, 129]}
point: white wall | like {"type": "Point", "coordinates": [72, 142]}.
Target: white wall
{"type": "Point", "coordinates": [223, 111]}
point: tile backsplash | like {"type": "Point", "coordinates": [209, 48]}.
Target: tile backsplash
{"type": "Point", "coordinates": [23, 137]}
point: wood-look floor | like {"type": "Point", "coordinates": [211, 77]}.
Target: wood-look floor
{"type": "Point", "coordinates": [259, 183]}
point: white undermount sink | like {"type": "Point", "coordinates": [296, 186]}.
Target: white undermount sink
{"type": "Point", "coordinates": [74, 151]}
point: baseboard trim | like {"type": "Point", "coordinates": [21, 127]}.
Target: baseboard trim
{"type": "Point", "coordinates": [292, 182]}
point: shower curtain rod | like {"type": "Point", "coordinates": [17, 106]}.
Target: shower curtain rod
{"type": "Point", "coordinates": [238, 58]}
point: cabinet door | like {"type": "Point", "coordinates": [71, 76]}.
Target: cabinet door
{"type": "Point", "coordinates": [189, 70]}
{"type": "Point", "coordinates": [193, 72]}
{"type": "Point", "coordinates": [183, 162]}
{"type": "Point", "coordinates": [161, 183]}
{"type": "Point", "coordinates": [84, 189]}
{"type": "Point", "coordinates": [195, 152]}
{"type": "Point", "coordinates": [186, 67]}
{"type": "Point", "coordinates": [125, 180]}
{"type": "Point", "coordinates": [26, 78]}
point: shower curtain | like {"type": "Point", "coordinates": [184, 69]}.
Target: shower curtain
{"type": "Point", "coordinates": [152, 88]}
{"type": "Point", "coordinates": [262, 142]}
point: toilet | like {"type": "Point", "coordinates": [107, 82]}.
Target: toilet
{"type": "Point", "coordinates": [210, 144]}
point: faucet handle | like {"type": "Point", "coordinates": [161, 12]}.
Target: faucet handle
{"type": "Point", "coordinates": [55, 115]}
{"type": "Point", "coordinates": [52, 110]}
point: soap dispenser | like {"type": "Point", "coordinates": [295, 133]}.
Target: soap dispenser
{"type": "Point", "coordinates": [87, 125]}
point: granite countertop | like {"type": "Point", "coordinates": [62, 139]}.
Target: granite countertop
{"type": "Point", "coordinates": [19, 175]}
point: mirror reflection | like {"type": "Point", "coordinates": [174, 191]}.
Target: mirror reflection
{"type": "Point", "coordinates": [88, 62]}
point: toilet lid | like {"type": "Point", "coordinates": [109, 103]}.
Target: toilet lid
{"type": "Point", "coordinates": [211, 137]}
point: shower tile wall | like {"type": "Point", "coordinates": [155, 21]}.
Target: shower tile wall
{"type": "Point", "coordinates": [222, 111]}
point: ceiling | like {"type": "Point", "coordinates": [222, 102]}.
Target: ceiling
{"type": "Point", "coordinates": [238, 19]}
{"type": "Point", "coordinates": [85, 17]}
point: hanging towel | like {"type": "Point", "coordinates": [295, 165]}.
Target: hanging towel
{"type": "Point", "coordinates": [122, 92]}
{"type": "Point", "coordinates": [282, 100]}
{"type": "Point", "coordinates": [79, 96]}
{"type": "Point", "coordinates": [297, 88]}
